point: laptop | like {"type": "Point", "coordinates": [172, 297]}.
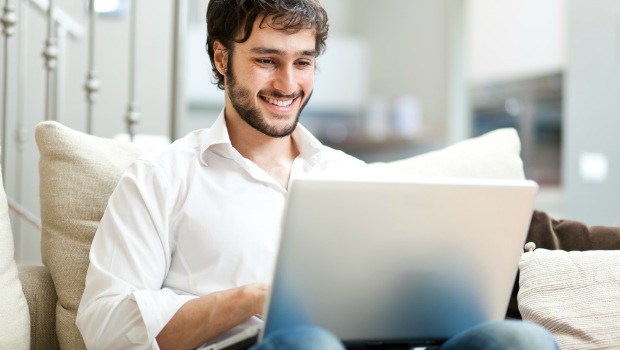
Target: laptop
{"type": "Point", "coordinates": [398, 262]}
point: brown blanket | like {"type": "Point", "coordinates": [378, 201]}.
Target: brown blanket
{"type": "Point", "coordinates": [549, 233]}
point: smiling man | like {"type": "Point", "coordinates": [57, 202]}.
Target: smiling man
{"type": "Point", "coordinates": [268, 81]}
{"type": "Point", "coordinates": [184, 252]}
{"type": "Point", "coordinates": [183, 255]}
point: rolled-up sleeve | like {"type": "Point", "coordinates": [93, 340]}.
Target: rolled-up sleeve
{"type": "Point", "coordinates": [125, 305]}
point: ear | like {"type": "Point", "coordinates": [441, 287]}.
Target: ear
{"type": "Point", "coordinates": [220, 57]}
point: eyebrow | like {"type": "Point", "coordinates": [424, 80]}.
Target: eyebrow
{"type": "Point", "coordinates": [268, 51]}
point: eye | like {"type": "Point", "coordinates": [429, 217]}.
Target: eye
{"type": "Point", "coordinates": [265, 61]}
{"type": "Point", "coordinates": [304, 63]}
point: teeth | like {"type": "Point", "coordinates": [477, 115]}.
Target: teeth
{"type": "Point", "coordinates": [278, 102]}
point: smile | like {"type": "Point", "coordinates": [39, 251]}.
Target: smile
{"type": "Point", "coordinates": [279, 103]}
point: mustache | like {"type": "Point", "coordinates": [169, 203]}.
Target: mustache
{"type": "Point", "coordinates": [279, 94]}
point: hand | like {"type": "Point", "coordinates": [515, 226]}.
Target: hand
{"type": "Point", "coordinates": [259, 292]}
{"type": "Point", "coordinates": [202, 319]}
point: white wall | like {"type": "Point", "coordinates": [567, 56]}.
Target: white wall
{"type": "Point", "coordinates": [339, 14]}
{"type": "Point", "coordinates": [592, 110]}
{"type": "Point", "coordinates": [408, 52]}
{"type": "Point", "coordinates": [514, 39]}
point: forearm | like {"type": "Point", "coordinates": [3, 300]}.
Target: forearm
{"type": "Point", "coordinates": [204, 318]}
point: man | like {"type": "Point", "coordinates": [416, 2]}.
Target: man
{"type": "Point", "coordinates": [188, 241]}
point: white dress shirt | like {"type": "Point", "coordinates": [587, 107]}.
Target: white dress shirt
{"type": "Point", "coordinates": [186, 221]}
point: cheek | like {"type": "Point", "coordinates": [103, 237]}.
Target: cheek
{"type": "Point", "coordinates": [257, 78]}
{"type": "Point", "coordinates": [307, 81]}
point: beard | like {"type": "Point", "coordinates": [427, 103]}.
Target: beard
{"type": "Point", "coordinates": [242, 100]}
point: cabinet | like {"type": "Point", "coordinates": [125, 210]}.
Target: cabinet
{"type": "Point", "coordinates": [533, 106]}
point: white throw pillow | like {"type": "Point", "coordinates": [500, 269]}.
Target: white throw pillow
{"type": "Point", "coordinates": [575, 295]}
{"type": "Point", "coordinates": [14, 316]}
{"type": "Point", "coordinates": [494, 155]}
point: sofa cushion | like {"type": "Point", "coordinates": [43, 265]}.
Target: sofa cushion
{"type": "Point", "coordinates": [78, 174]}
{"type": "Point", "coordinates": [574, 294]}
{"type": "Point", "coordinates": [41, 296]}
{"type": "Point", "coordinates": [494, 155]}
{"type": "Point", "coordinates": [550, 233]}
{"type": "Point", "coordinates": [14, 316]}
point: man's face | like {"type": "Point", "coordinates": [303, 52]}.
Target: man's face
{"type": "Point", "coordinates": [270, 77]}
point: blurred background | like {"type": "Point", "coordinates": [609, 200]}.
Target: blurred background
{"type": "Point", "coordinates": [399, 78]}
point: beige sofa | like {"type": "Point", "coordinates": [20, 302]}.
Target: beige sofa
{"type": "Point", "coordinates": [78, 172]}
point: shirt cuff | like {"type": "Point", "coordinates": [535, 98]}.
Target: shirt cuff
{"type": "Point", "coordinates": [158, 307]}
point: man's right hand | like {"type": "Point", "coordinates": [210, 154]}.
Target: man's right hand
{"type": "Point", "coordinates": [204, 318]}
{"type": "Point", "coordinates": [260, 292]}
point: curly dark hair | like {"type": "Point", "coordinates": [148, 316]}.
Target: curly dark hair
{"type": "Point", "coordinates": [227, 19]}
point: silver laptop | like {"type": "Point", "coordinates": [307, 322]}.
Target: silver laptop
{"type": "Point", "coordinates": [398, 262]}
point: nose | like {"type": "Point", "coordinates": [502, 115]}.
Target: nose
{"type": "Point", "coordinates": [285, 80]}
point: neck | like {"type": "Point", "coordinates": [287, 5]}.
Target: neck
{"type": "Point", "coordinates": [254, 145]}
{"type": "Point", "coordinates": [274, 155]}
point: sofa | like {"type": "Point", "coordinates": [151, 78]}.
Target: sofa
{"type": "Point", "coordinates": [78, 172]}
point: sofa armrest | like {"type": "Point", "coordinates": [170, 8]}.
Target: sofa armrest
{"type": "Point", "coordinates": [41, 296]}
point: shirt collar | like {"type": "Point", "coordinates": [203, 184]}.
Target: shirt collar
{"type": "Point", "coordinates": [217, 140]}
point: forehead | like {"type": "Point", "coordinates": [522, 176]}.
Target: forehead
{"type": "Point", "coordinates": [267, 34]}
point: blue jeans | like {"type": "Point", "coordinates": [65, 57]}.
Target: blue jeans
{"type": "Point", "coordinates": [513, 335]}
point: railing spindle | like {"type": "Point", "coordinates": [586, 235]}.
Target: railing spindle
{"type": "Point", "coordinates": [50, 54]}
{"type": "Point", "coordinates": [92, 82]}
{"type": "Point", "coordinates": [133, 109]}
{"type": "Point", "coordinates": [9, 19]}
{"type": "Point", "coordinates": [20, 136]}
{"type": "Point", "coordinates": [20, 131]}
{"type": "Point", "coordinates": [179, 35]}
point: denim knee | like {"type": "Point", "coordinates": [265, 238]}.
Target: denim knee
{"type": "Point", "coordinates": [301, 338]}
{"type": "Point", "coordinates": [516, 335]}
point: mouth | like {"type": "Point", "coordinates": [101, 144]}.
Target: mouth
{"type": "Point", "coordinates": [279, 102]}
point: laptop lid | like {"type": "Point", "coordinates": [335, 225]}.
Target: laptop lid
{"type": "Point", "coordinates": [402, 262]}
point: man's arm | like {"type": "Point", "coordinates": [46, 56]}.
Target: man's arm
{"type": "Point", "coordinates": [125, 303]}
{"type": "Point", "coordinates": [203, 318]}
